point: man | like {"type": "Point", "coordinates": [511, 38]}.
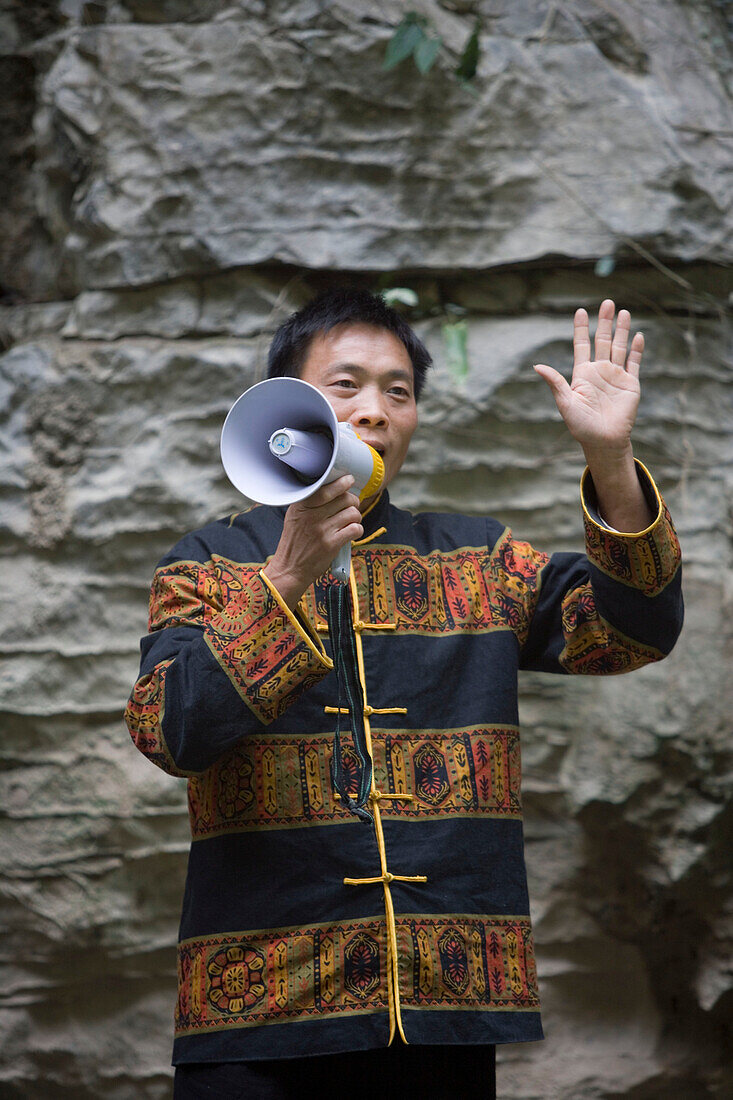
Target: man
{"type": "Point", "coordinates": [307, 930]}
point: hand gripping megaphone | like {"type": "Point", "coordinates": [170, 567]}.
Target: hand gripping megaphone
{"type": "Point", "coordinates": [281, 442]}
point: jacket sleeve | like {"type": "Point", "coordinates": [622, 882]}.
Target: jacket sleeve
{"type": "Point", "coordinates": [614, 609]}
{"type": "Point", "coordinates": [224, 655]}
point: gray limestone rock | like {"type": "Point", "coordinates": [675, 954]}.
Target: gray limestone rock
{"type": "Point", "coordinates": [180, 177]}
{"type": "Point", "coordinates": [255, 137]}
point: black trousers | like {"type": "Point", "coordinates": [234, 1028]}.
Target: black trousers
{"type": "Point", "coordinates": [403, 1072]}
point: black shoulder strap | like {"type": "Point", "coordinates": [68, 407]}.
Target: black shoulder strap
{"type": "Point", "coordinates": [343, 644]}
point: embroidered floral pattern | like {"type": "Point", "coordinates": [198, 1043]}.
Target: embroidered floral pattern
{"type": "Point", "coordinates": [411, 589]}
{"type": "Point", "coordinates": [284, 781]}
{"type": "Point", "coordinates": [431, 775]}
{"type": "Point", "coordinates": [188, 592]}
{"type": "Point", "coordinates": [470, 590]}
{"type": "Point", "coordinates": [235, 792]}
{"type": "Point", "coordinates": [264, 654]}
{"type": "Point", "coordinates": [454, 961]}
{"type": "Point", "coordinates": [647, 562]}
{"type": "Point", "coordinates": [361, 965]}
{"type": "Point", "coordinates": [479, 963]}
{"type": "Point", "coordinates": [235, 979]}
{"type": "Point", "coordinates": [265, 657]}
{"type": "Point", "coordinates": [592, 646]}
{"type": "Point", "coordinates": [144, 715]}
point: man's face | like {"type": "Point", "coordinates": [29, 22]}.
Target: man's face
{"type": "Point", "coordinates": [367, 377]}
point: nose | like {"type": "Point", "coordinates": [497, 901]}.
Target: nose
{"type": "Point", "coordinates": [369, 411]}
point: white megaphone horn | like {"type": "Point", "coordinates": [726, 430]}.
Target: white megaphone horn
{"type": "Point", "coordinates": [281, 442]}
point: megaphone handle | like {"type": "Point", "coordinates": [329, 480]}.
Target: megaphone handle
{"type": "Point", "coordinates": [341, 564]}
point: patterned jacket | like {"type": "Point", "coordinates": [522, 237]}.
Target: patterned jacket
{"type": "Point", "coordinates": [307, 930]}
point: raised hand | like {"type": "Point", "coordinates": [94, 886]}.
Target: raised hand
{"type": "Point", "coordinates": [599, 407]}
{"type": "Point", "coordinates": [599, 404]}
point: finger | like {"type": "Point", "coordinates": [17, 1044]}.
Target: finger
{"type": "Point", "coordinates": [347, 516]}
{"type": "Point", "coordinates": [604, 330]}
{"type": "Point", "coordinates": [354, 530]}
{"type": "Point", "coordinates": [344, 502]}
{"type": "Point", "coordinates": [343, 534]}
{"type": "Point", "coordinates": [329, 492]}
{"type": "Point", "coordinates": [581, 338]}
{"type": "Point", "coordinates": [309, 518]}
{"type": "Point", "coordinates": [633, 363]}
{"type": "Point", "coordinates": [560, 388]}
{"type": "Point", "coordinates": [621, 338]}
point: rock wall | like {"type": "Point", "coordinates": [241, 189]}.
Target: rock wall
{"type": "Point", "coordinates": [178, 176]}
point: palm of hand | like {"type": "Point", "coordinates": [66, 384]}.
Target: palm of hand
{"type": "Point", "coordinates": [599, 405]}
{"type": "Point", "coordinates": [602, 402]}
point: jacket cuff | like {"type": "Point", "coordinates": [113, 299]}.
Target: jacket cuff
{"type": "Point", "coordinates": [269, 656]}
{"type": "Point", "coordinates": [299, 622]}
{"type": "Point", "coordinates": [646, 560]}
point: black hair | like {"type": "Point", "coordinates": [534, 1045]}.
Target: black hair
{"type": "Point", "coordinates": [341, 306]}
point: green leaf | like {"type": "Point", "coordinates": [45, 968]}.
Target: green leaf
{"type": "Point", "coordinates": [401, 294]}
{"type": "Point", "coordinates": [455, 339]}
{"type": "Point", "coordinates": [469, 58]}
{"type": "Point", "coordinates": [426, 53]}
{"type": "Point", "coordinates": [604, 266]}
{"type": "Point", "coordinates": [407, 36]}
{"type": "Point", "coordinates": [469, 87]}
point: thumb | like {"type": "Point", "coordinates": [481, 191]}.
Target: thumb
{"type": "Point", "coordinates": [560, 389]}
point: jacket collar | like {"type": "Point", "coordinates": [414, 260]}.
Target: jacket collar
{"type": "Point", "coordinates": [376, 516]}
{"type": "Point", "coordinates": [372, 520]}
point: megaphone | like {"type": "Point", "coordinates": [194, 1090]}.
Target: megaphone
{"type": "Point", "coordinates": [281, 442]}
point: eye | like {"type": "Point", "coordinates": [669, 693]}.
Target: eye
{"type": "Point", "coordinates": [345, 383]}
{"type": "Point", "coordinates": [399, 391]}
